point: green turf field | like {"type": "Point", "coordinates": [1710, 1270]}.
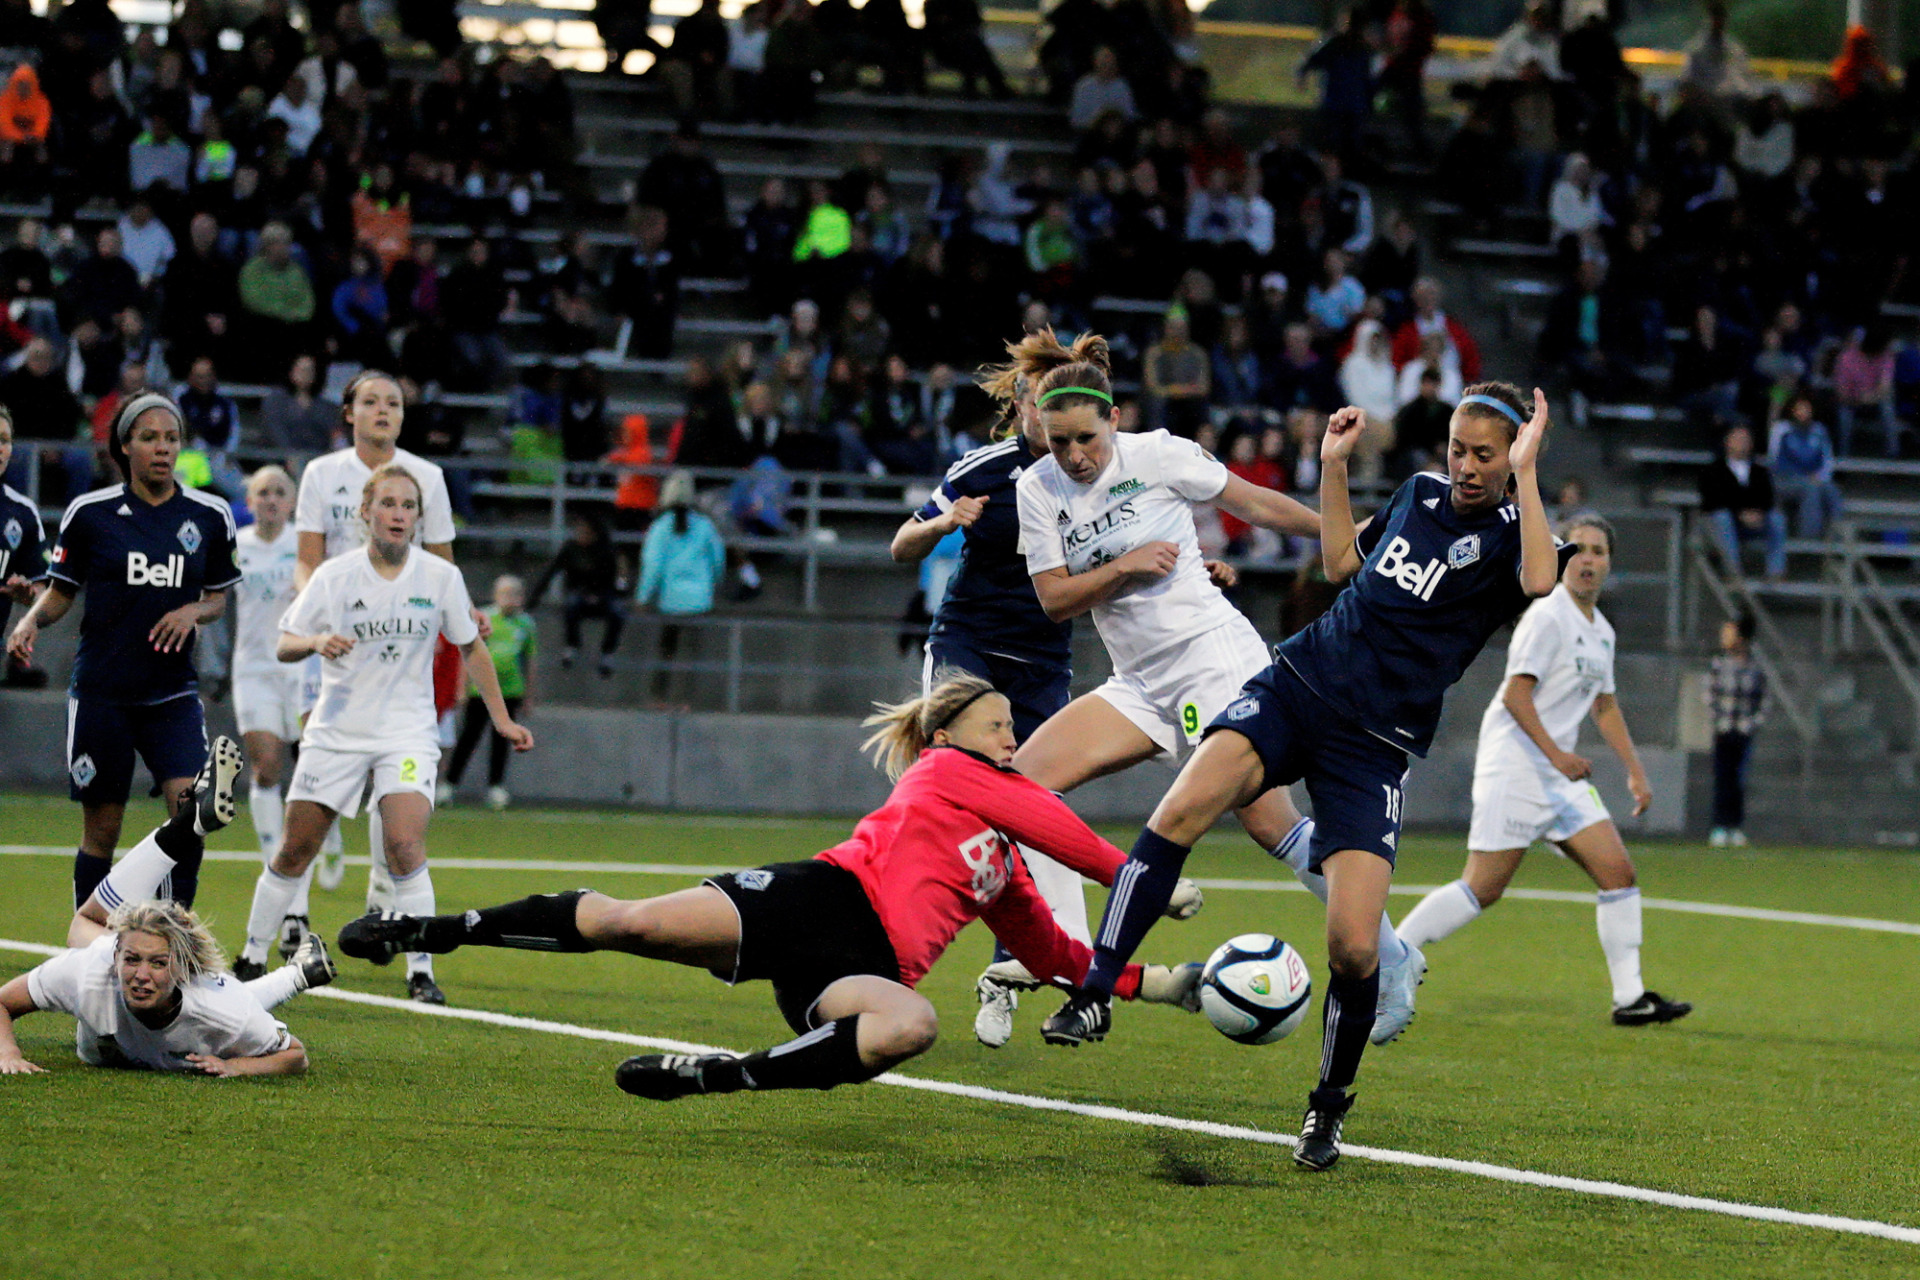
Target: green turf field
{"type": "Point", "coordinates": [422, 1147]}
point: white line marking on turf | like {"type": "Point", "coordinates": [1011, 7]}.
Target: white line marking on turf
{"type": "Point", "coordinates": [1146, 1119]}
{"type": "Point", "coordinates": [1252, 886]}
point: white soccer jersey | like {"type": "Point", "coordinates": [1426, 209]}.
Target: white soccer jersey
{"type": "Point", "coordinates": [1146, 494]}
{"type": "Point", "coordinates": [261, 600]}
{"type": "Point", "coordinates": [379, 697]}
{"type": "Point", "coordinates": [330, 491]}
{"type": "Point", "coordinates": [218, 1015]}
{"type": "Point", "coordinates": [1572, 660]}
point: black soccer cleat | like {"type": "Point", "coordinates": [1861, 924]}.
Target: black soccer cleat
{"type": "Point", "coordinates": [247, 970]}
{"type": "Point", "coordinates": [1319, 1147]}
{"type": "Point", "coordinates": [1650, 1008]}
{"type": "Point", "coordinates": [316, 966]}
{"type": "Point", "coordinates": [664, 1077]}
{"type": "Point", "coordinates": [379, 936]}
{"type": "Point", "coordinates": [1083, 1019]}
{"type": "Point", "coordinates": [212, 791]}
{"type": "Point", "coordinates": [422, 989]}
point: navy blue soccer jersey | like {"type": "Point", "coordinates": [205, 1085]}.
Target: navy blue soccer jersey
{"type": "Point", "coordinates": [990, 603]}
{"type": "Point", "coordinates": [22, 542]}
{"type": "Point", "coordinates": [137, 563]}
{"type": "Point", "coordinates": [1433, 588]}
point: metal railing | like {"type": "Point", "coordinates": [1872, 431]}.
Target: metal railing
{"type": "Point", "coordinates": [1864, 597]}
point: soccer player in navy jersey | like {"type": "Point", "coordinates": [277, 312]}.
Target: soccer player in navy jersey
{"type": "Point", "coordinates": [1432, 576]}
{"type": "Point", "coordinates": [22, 540]}
{"type": "Point", "coordinates": [156, 560]}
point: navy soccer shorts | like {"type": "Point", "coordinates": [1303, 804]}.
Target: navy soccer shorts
{"type": "Point", "coordinates": [1037, 690]}
{"type": "Point", "coordinates": [103, 737]}
{"type": "Point", "coordinates": [1353, 777]}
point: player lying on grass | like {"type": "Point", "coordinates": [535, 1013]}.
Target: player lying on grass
{"type": "Point", "coordinates": [1433, 575]}
{"type": "Point", "coordinates": [145, 979]}
{"type": "Point", "coordinates": [846, 936]}
{"type": "Point", "coordinates": [1529, 784]}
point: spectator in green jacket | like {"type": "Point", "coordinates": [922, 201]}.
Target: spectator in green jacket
{"type": "Point", "coordinates": [513, 645]}
{"type": "Point", "coordinates": [277, 297]}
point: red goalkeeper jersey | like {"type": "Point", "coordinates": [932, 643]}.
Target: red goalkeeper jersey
{"type": "Point", "coordinates": [939, 853]}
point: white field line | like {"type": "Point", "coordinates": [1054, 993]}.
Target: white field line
{"type": "Point", "coordinates": [1251, 886]}
{"type": "Point", "coordinates": [1121, 1115]}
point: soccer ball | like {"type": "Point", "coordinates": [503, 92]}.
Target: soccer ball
{"type": "Point", "coordinates": [1255, 989]}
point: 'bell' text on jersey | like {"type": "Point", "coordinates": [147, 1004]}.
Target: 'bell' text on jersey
{"type": "Point", "coordinates": [136, 563]}
{"type": "Point", "coordinates": [1433, 588]}
{"type": "Point", "coordinates": [990, 604]}
{"type": "Point", "coordinates": [1146, 494]}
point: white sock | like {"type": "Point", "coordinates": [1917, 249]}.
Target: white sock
{"type": "Point", "coordinates": [268, 810]}
{"type": "Point", "coordinates": [1439, 914]}
{"type": "Point", "coordinates": [1061, 887]}
{"type": "Point", "coordinates": [380, 882]}
{"type": "Point", "coordinates": [413, 896]}
{"type": "Point", "coordinates": [331, 844]}
{"type": "Point", "coordinates": [272, 892]}
{"type": "Point", "coordinates": [1617, 917]}
{"type": "Point", "coordinates": [137, 877]}
{"type": "Point", "coordinates": [1294, 850]}
{"type": "Point", "coordinates": [278, 987]}
{"type": "Point", "coordinates": [298, 907]}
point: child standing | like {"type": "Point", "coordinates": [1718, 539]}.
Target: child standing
{"type": "Point", "coordinates": [1737, 695]}
{"type": "Point", "coordinates": [513, 644]}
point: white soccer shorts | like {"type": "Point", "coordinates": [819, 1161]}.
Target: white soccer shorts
{"type": "Point", "coordinates": [1175, 694]}
{"type": "Point", "coordinates": [1517, 803]}
{"type": "Point", "coordinates": [336, 779]}
{"type": "Point", "coordinates": [270, 703]}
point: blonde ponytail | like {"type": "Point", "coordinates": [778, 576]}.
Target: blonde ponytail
{"type": "Point", "coordinates": [902, 730]}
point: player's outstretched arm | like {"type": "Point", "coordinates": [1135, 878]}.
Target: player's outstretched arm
{"type": "Point", "coordinates": [1267, 509]}
{"type": "Point", "coordinates": [15, 1003]}
{"type": "Point", "coordinates": [915, 540]}
{"type": "Point", "coordinates": [1612, 724]}
{"type": "Point", "coordinates": [1339, 540]}
{"type": "Point", "coordinates": [290, 1061]}
{"type": "Point", "coordinates": [480, 670]}
{"type": "Point", "coordinates": [47, 610]}
{"type": "Point", "coordinates": [1539, 564]}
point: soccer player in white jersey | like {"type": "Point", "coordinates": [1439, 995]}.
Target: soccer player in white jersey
{"type": "Point", "coordinates": [143, 978]}
{"type": "Point", "coordinates": [1530, 784]}
{"type": "Point", "coordinates": [374, 616]}
{"type": "Point", "coordinates": [267, 696]}
{"type": "Point", "coordinates": [1106, 525]}
{"type": "Point", "coordinates": [327, 522]}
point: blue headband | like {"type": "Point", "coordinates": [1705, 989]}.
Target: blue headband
{"type": "Point", "coordinates": [1506, 410]}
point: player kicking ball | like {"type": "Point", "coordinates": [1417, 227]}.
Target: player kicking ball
{"type": "Point", "coordinates": [1446, 563]}
{"type": "Point", "coordinates": [145, 980]}
{"type": "Point", "coordinates": [1529, 784]}
{"type": "Point", "coordinates": [846, 936]}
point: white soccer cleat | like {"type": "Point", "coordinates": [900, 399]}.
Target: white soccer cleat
{"type": "Point", "coordinates": [498, 799]}
{"type": "Point", "coordinates": [332, 871]}
{"type": "Point", "coordinates": [993, 1025]}
{"type": "Point", "coordinates": [1398, 984]}
{"type": "Point", "coordinates": [1717, 838]}
{"type": "Point", "coordinates": [443, 794]}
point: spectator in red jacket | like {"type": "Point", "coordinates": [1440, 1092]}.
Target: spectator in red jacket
{"type": "Point", "coordinates": [846, 936]}
{"type": "Point", "coordinates": [1429, 318]}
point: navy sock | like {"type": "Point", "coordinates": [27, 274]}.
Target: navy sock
{"type": "Point", "coordinates": [821, 1059]}
{"type": "Point", "coordinates": [543, 922]}
{"type": "Point", "coordinates": [88, 872]}
{"type": "Point", "coordinates": [1000, 952]}
{"type": "Point", "coordinates": [1349, 1020]}
{"type": "Point", "coordinates": [1139, 896]}
{"type": "Point", "coordinates": [186, 846]}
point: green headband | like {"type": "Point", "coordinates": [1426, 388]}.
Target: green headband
{"type": "Point", "coordinates": [1073, 391]}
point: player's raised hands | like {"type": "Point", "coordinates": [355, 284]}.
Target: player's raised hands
{"type": "Point", "coordinates": [1525, 451]}
{"type": "Point", "coordinates": [1152, 561]}
{"type": "Point", "coordinates": [1343, 433]}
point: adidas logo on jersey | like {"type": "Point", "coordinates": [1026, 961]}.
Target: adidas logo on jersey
{"type": "Point", "coordinates": [1420, 579]}
{"type": "Point", "coordinates": [142, 572]}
